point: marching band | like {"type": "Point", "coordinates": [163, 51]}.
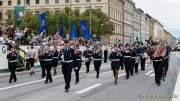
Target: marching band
{"type": "Point", "coordinates": [71, 57]}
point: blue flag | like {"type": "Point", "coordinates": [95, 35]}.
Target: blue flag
{"type": "Point", "coordinates": [61, 28]}
{"type": "Point", "coordinates": [74, 34]}
{"type": "Point", "coordinates": [85, 30]}
{"type": "Point", "coordinates": [43, 22]}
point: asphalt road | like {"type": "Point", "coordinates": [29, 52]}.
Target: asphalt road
{"type": "Point", "coordinates": [140, 87]}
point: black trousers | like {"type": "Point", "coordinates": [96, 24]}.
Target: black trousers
{"type": "Point", "coordinates": [42, 63]}
{"type": "Point", "coordinates": [127, 64]}
{"type": "Point", "coordinates": [122, 63]}
{"type": "Point", "coordinates": [12, 69]}
{"type": "Point", "coordinates": [166, 65]}
{"type": "Point", "coordinates": [143, 61]}
{"type": "Point", "coordinates": [97, 65]}
{"type": "Point", "coordinates": [158, 71]}
{"type": "Point", "coordinates": [77, 67]}
{"type": "Point", "coordinates": [105, 58]}
{"type": "Point", "coordinates": [136, 67]}
{"type": "Point", "coordinates": [67, 70]}
{"type": "Point", "coordinates": [132, 66]}
{"type": "Point", "coordinates": [87, 65]}
{"type": "Point", "coordinates": [48, 66]}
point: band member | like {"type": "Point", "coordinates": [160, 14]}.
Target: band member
{"type": "Point", "coordinates": [77, 63]}
{"type": "Point", "coordinates": [67, 64]}
{"type": "Point", "coordinates": [42, 62]}
{"type": "Point", "coordinates": [115, 63]}
{"type": "Point", "coordinates": [105, 55]}
{"type": "Point", "coordinates": [88, 54]}
{"type": "Point", "coordinates": [121, 58]}
{"type": "Point", "coordinates": [127, 59]}
{"type": "Point", "coordinates": [48, 57]}
{"type": "Point", "coordinates": [157, 53]}
{"type": "Point", "coordinates": [12, 64]}
{"type": "Point", "coordinates": [137, 58]}
{"type": "Point", "coordinates": [56, 55]}
{"type": "Point", "coordinates": [142, 56]}
{"type": "Point", "coordinates": [97, 55]}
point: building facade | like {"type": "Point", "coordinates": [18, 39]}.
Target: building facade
{"type": "Point", "coordinates": [167, 36]}
{"type": "Point", "coordinates": [137, 24]}
{"type": "Point", "coordinates": [129, 21]}
{"type": "Point", "coordinates": [112, 8]}
{"type": "Point", "coordinates": [147, 31]}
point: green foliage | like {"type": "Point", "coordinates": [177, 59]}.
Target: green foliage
{"type": "Point", "coordinates": [100, 22]}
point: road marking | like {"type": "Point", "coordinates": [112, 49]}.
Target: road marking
{"type": "Point", "coordinates": [176, 94]}
{"type": "Point", "coordinates": [88, 89]}
{"type": "Point", "coordinates": [152, 75]}
{"type": "Point", "coordinates": [100, 73]}
{"type": "Point", "coordinates": [148, 73]}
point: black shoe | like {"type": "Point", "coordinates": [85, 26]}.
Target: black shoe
{"type": "Point", "coordinates": [46, 82]}
{"type": "Point", "coordinates": [51, 81]}
{"type": "Point", "coordinates": [66, 90]}
{"type": "Point", "coordinates": [87, 71]}
{"type": "Point", "coordinates": [158, 84]}
{"type": "Point", "coordinates": [9, 82]}
{"type": "Point", "coordinates": [127, 77]}
{"type": "Point", "coordinates": [55, 73]}
{"type": "Point", "coordinates": [97, 77]}
{"type": "Point", "coordinates": [76, 82]}
{"type": "Point", "coordinates": [115, 82]}
{"type": "Point", "coordinates": [15, 80]}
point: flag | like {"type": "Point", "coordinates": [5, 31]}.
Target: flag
{"type": "Point", "coordinates": [19, 13]}
{"type": "Point", "coordinates": [61, 28]}
{"type": "Point", "coordinates": [42, 22]}
{"type": "Point", "coordinates": [85, 30]}
{"type": "Point", "coordinates": [74, 34]}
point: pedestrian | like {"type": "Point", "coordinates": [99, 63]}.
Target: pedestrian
{"type": "Point", "coordinates": [115, 62]}
{"type": "Point", "coordinates": [67, 64]}
{"type": "Point", "coordinates": [77, 62]}
{"type": "Point", "coordinates": [12, 57]}
{"type": "Point", "coordinates": [31, 58]}
{"type": "Point", "coordinates": [142, 56]}
{"type": "Point", "coordinates": [97, 55]}
{"type": "Point", "coordinates": [41, 61]}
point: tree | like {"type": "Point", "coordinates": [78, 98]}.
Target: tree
{"type": "Point", "coordinates": [10, 17]}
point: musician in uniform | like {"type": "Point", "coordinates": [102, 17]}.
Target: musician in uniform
{"type": "Point", "coordinates": [115, 62]}
{"type": "Point", "coordinates": [12, 57]}
{"type": "Point", "coordinates": [88, 54]}
{"type": "Point", "coordinates": [67, 64]}
{"type": "Point", "coordinates": [136, 57]}
{"type": "Point", "coordinates": [142, 56]}
{"type": "Point", "coordinates": [77, 62]}
{"type": "Point", "coordinates": [48, 57]}
{"type": "Point", "coordinates": [127, 59]}
{"type": "Point", "coordinates": [97, 55]}
{"type": "Point", "coordinates": [56, 55]}
{"type": "Point", "coordinates": [105, 54]}
{"type": "Point", "coordinates": [41, 61]}
{"type": "Point", "coordinates": [157, 53]}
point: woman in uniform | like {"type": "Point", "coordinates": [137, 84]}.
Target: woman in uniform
{"type": "Point", "coordinates": [115, 62]}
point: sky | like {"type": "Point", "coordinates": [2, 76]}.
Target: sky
{"type": "Point", "coordinates": [166, 11]}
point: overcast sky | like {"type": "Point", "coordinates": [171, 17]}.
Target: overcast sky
{"type": "Point", "coordinates": [166, 11]}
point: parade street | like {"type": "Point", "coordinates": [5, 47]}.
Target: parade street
{"type": "Point", "coordinates": [140, 87]}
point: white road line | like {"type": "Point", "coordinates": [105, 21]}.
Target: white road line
{"type": "Point", "coordinates": [100, 73]}
{"type": "Point", "coordinates": [88, 89]}
{"type": "Point", "coordinates": [148, 73]}
{"type": "Point", "coordinates": [152, 75]}
{"type": "Point", "coordinates": [176, 94]}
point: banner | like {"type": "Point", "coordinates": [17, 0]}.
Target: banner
{"type": "Point", "coordinates": [19, 13]}
{"type": "Point", "coordinates": [61, 28]}
{"type": "Point", "coordinates": [85, 30]}
{"type": "Point", "coordinates": [74, 34]}
{"type": "Point", "coordinates": [42, 22]}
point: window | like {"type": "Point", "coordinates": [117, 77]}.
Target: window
{"type": "Point", "coordinates": [77, 0]}
{"type": "Point", "coordinates": [28, 2]}
{"type": "Point", "coordinates": [56, 1]}
{"type": "Point", "coordinates": [87, 0]}
{"type": "Point", "coordinates": [66, 1]}
{"type": "Point", "coordinates": [37, 1]}
{"type": "Point", "coordinates": [37, 12]}
{"type": "Point", "coordinates": [9, 2]}
{"type": "Point", "coordinates": [98, 0]}
{"type": "Point", "coordinates": [18, 2]}
{"type": "Point", "coordinates": [1, 3]}
{"type": "Point", "coordinates": [46, 1]}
